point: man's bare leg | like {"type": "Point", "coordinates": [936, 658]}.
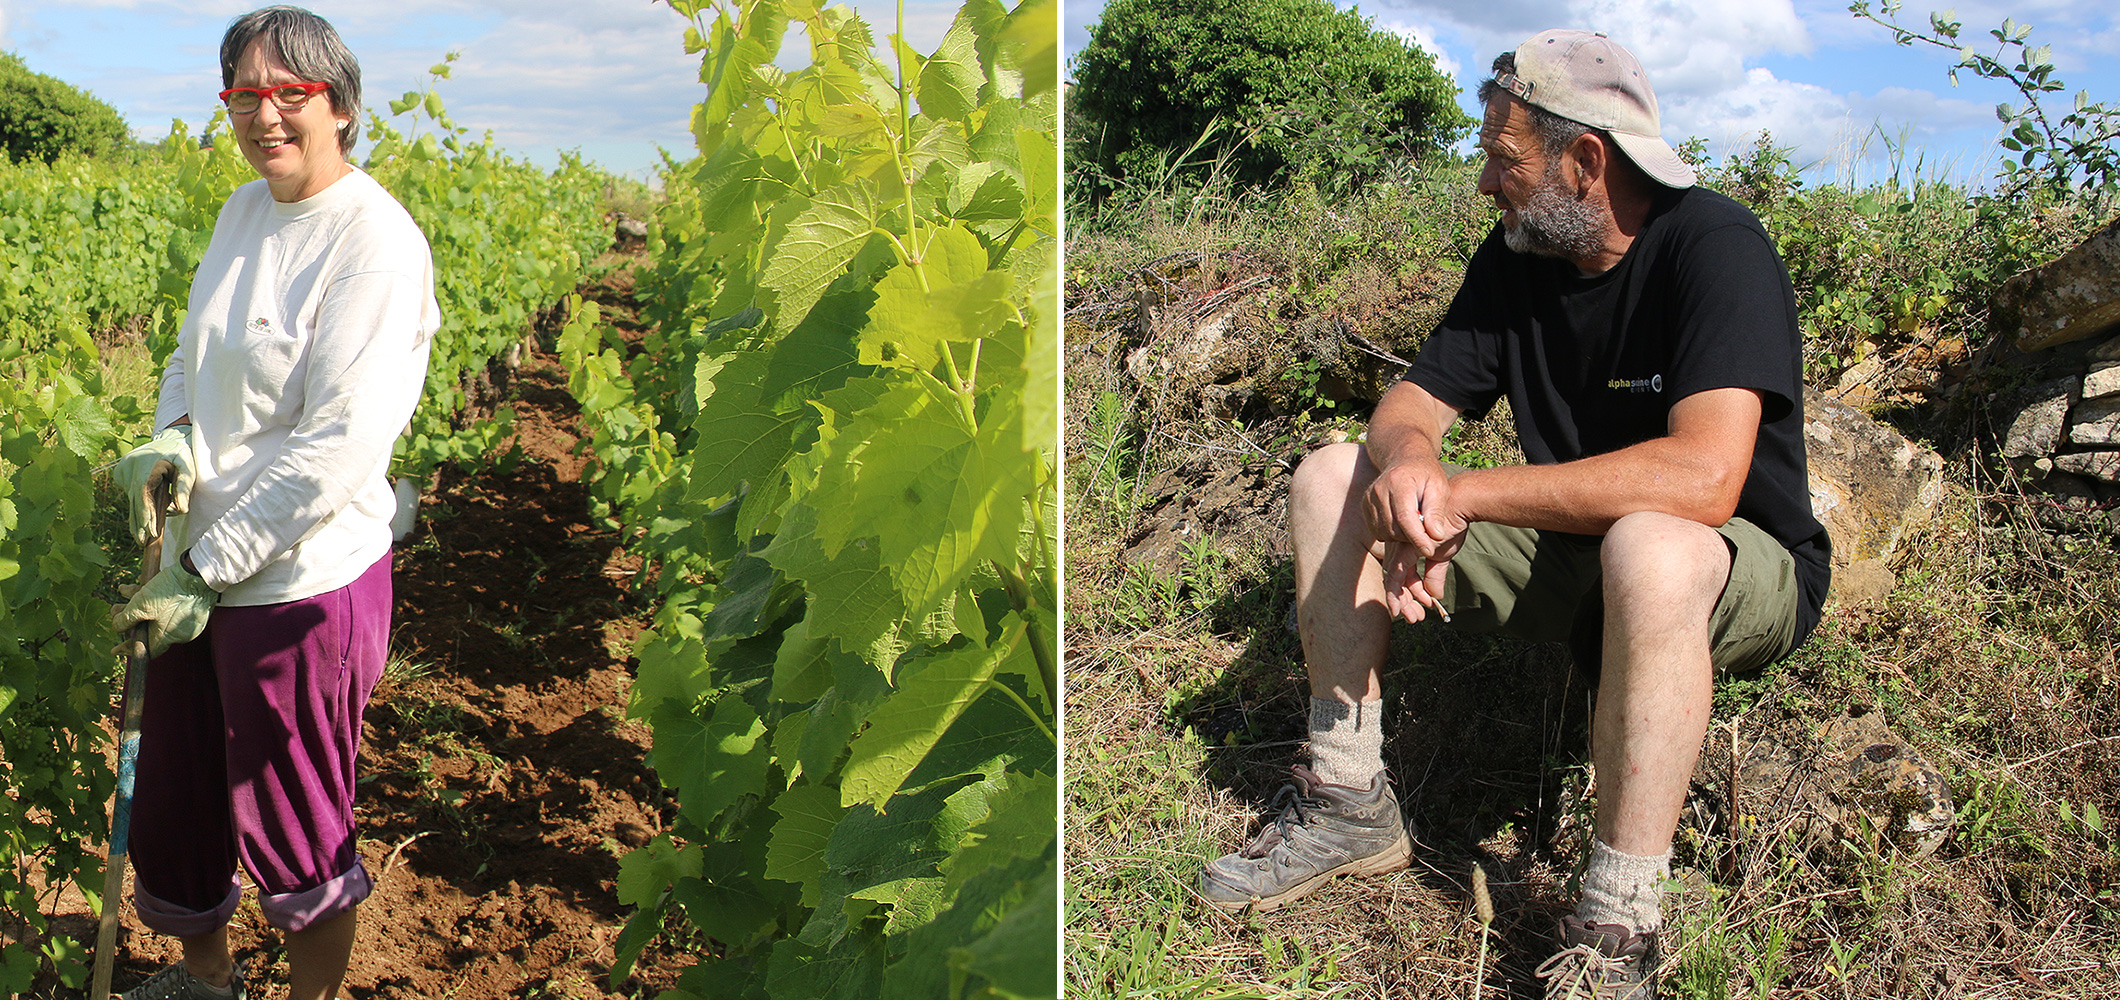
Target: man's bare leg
{"type": "Point", "coordinates": [1662, 578]}
{"type": "Point", "coordinates": [1339, 585]}
{"type": "Point", "coordinates": [1350, 823]}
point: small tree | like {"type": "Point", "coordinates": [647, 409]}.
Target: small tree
{"type": "Point", "coordinates": [1275, 86]}
{"type": "Point", "coordinates": [2048, 150]}
{"type": "Point", "coordinates": [42, 117]}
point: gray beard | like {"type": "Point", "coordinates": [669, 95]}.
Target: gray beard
{"type": "Point", "coordinates": [1551, 224]}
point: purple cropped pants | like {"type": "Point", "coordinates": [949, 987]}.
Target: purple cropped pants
{"type": "Point", "coordinates": [247, 746]}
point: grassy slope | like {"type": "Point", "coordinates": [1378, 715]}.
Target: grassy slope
{"type": "Point", "coordinates": [1994, 656]}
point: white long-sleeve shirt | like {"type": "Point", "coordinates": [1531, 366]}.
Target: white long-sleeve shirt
{"type": "Point", "coordinates": [300, 360]}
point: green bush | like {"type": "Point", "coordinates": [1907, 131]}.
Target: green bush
{"type": "Point", "coordinates": [1276, 87]}
{"type": "Point", "coordinates": [42, 117]}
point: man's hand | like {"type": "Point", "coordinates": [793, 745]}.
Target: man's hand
{"type": "Point", "coordinates": [164, 460]}
{"type": "Point", "coordinates": [175, 605]}
{"type": "Point", "coordinates": [1417, 530]}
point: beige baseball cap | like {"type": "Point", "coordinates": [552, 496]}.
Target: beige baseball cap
{"type": "Point", "coordinates": [1584, 76]}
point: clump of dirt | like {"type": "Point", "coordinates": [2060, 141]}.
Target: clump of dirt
{"type": "Point", "coordinates": [500, 782]}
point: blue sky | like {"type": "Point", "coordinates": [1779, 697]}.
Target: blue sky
{"type": "Point", "coordinates": [607, 77]}
{"type": "Point", "coordinates": [1807, 71]}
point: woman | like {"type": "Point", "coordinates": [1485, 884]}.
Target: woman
{"type": "Point", "coordinates": [299, 363]}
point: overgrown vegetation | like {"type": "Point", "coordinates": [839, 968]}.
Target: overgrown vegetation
{"type": "Point", "coordinates": [1266, 88]}
{"type": "Point", "coordinates": [42, 117]}
{"type": "Point", "coordinates": [1994, 657]}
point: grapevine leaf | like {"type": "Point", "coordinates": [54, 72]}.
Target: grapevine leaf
{"type": "Point", "coordinates": [836, 716]}
{"type": "Point", "coordinates": [673, 668]}
{"type": "Point", "coordinates": [821, 240]}
{"type": "Point", "coordinates": [1040, 161]}
{"type": "Point", "coordinates": [991, 735]}
{"type": "Point", "coordinates": [808, 814]}
{"type": "Point", "coordinates": [938, 147]}
{"type": "Point", "coordinates": [1017, 955]}
{"type": "Point", "coordinates": [914, 901]}
{"type": "Point", "coordinates": [852, 969]}
{"type": "Point", "coordinates": [752, 596]}
{"type": "Point", "coordinates": [787, 744]}
{"type": "Point", "coordinates": [711, 762]}
{"type": "Point", "coordinates": [801, 671]}
{"type": "Point", "coordinates": [1041, 394]}
{"type": "Point", "coordinates": [949, 83]}
{"type": "Point", "coordinates": [983, 192]}
{"type": "Point", "coordinates": [738, 977]}
{"type": "Point", "coordinates": [871, 847]}
{"type": "Point", "coordinates": [948, 297]}
{"type": "Point", "coordinates": [1020, 824]}
{"type": "Point", "coordinates": [83, 426]}
{"type": "Point", "coordinates": [931, 694]}
{"type": "Point", "coordinates": [727, 910]}
{"type": "Point", "coordinates": [819, 355]}
{"type": "Point", "coordinates": [939, 500]}
{"type": "Point", "coordinates": [739, 442]}
{"type": "Point", "coordinates": [640, 929]}
{"type": "Point", "coordinates": [646, 873]}
{"type": "Point", "coordinates": [851, 592]}
{"type": "Point", "coordinates": [925, 970]}
{"type": "Point", "coordinates": [1029, 41]}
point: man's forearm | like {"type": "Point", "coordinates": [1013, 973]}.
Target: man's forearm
{"type": "Point", "coordinates": [1696, 472]}
{"type": "Point", "coordinates": [1408, 424]}
{"type": "Point", "coordinates": [1588, 495]}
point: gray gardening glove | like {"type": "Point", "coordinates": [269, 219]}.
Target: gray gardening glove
{"type": "Point", "coordinates": [174, 604]}
{"type": "Point", "coordinates": [166, 459]}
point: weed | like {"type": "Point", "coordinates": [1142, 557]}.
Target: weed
{"type": "Point", "coordinates": [1110, 458]}
{"type": "Point", "coordinates": [401, 670]}
{"type": "Point", "coordinates": [1996, 814]}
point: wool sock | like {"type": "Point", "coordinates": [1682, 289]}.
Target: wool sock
{"type": "Point", "coordinates": [1346, 741]}
{"type": "Point", "coordinates": [1622, 888]}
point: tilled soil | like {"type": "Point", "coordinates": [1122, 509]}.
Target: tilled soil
{"type": "Point", "coordinates": [500, 780]}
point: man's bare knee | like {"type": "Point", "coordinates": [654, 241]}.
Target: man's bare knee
{"type": "Point", "coordinates": [1651, 554]}
{"type": "Point", "coordinates": [1328, 480]}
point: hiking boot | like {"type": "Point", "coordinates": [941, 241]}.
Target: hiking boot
{"type": "Point", "coordinates": [177, 983]}
{"type": "Point", "coordinates": [1318, 830]}
{"type": "Point", "coordinates": [1601, 962]}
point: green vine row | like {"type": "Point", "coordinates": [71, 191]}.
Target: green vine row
{"type": "Point", "coordinates": [837, 447]}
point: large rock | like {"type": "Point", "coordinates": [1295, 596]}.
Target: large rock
{"type": "Point", "coordinates": [1870, 486]}
{"type": "Point", "coordinates": [2100, 464]}
{"type": "Point", "coordinates": [2076, 296]}
{"type": "Point", "coordinates": [2036, 417]}
{"type": "Point", "coordinates": [2096, 422]}
{"type": "Point", "coordinates": [2103, 378]}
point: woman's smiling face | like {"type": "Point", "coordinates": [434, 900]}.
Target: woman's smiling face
{"type": "Point", "coordinates": [297, 152]}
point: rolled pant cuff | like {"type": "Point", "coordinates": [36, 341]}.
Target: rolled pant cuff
{"type": "Point", "coordinates": [296, 911]}
{"type": "Point", "coordinates": [164, 917]}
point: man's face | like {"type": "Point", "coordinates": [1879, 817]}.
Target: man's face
{"type": "Point", "coordinates": [1541, 213]}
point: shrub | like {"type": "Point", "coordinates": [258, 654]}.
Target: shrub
{"type": "Point", "coordinates": [42, 117]}
{"type": "Point", "coordinates": [1274, 86]}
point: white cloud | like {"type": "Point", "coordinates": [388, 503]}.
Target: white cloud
{"type": "Point", "coordinates": [1423, 36]}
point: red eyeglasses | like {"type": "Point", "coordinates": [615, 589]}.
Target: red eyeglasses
{"type": "Point", "coordinates": [285, 96]}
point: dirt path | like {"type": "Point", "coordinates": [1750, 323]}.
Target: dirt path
{"type": "Point", "coordinates": [500, 782]}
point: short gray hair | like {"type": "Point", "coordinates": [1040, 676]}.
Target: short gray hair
{"type": "Point", "coordinates": [307, 45]}
{"type": "Point", "coordinates": [1554, 132]}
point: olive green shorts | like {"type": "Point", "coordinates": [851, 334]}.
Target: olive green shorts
{"type": "Point", "coordinates": [1542, 586]}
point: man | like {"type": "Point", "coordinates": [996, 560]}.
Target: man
{"type": "Point", "coordinates": [1645, 335]}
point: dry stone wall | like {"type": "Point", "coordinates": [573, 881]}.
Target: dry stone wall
{"type": "Point", "coordinates": [2057, 413]}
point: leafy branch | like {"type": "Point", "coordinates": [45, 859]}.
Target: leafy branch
{"type": "Point", "coordinates": [2051, 153]}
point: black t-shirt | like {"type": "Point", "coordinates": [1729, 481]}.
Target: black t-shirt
{"type": "Point", "coordinates": [1593, 364]}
